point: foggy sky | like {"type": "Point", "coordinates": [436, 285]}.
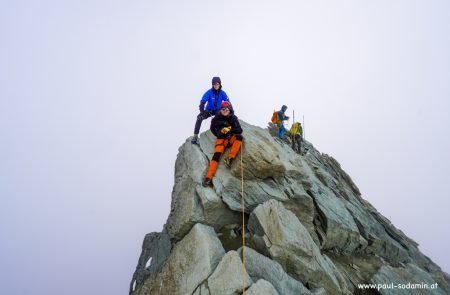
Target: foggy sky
{"type": "Point", "coordinates": [97, 96]}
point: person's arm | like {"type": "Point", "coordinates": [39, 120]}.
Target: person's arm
{"type": "Point", "coordinates": [201, 107]}
{"type": "Point", "coordinates": [213, 127]}
{"type": "Point", "coordinates": [236, 126]}
{"type": "Point", "coordinates": [282, 116]}
{"type": "Point", "coordinates": [203, 101]}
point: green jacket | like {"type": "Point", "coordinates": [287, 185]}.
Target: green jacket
{"type": "Point", "coordinates": [296, 129]}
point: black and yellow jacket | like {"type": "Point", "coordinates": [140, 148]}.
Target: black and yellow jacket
{"type": "Point", "coordinates": [296, 129]}
{"type": "Point", "coordinates": [219, 122]}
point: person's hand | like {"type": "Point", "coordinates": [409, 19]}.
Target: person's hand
{"type": "Point", "coordinates": [225, 130]}
{"type": "Point", "coordinates": [201, 107]}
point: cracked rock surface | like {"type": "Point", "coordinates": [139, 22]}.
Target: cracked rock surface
{"type": "Point", "coordinates": [308, 229]}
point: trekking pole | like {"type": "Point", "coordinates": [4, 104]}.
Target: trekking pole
{"type": "Point", "coordinates": [304, 132]}
{"type": "Point", "coordinates": [293, 120]}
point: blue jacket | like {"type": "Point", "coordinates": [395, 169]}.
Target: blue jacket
{"type": "Point", "coordinates": [282, 116]}
{"type": "Point", "coordinates": [213, 100]}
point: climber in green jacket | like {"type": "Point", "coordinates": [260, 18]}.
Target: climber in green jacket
{"type": "Point", "coordinates": [296, 137]}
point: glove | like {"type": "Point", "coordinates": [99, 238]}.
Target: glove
{"type": "Point", "coordinates": [201, 107]}
{"type": "Point", "coordinates": [225, 130]}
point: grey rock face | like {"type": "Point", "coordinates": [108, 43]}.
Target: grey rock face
{"type": "Point", "coordinates": [287, 241]}
{"type": "Point", "coordinates": [262, 287]}
{"type": "Point", "coordinates": [155, 249]}
{"type": "Point", "coordinates": [202, 290]}
{"type": "Point", "coordinates": [191, 203]}
{"type": "Point", "coordinates": [191, 262]}
{"type": "Point", "coordinates": [308, 228]}
{"type": "Point", "coordinates": [227, 278]}
{"type": "Point", "coordinates": [262, 267]}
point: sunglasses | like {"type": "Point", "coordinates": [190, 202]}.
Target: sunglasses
{"type": "Point", "coordinates": [216, 84]}
{"type": "Point", "coordinates": [224, 109]}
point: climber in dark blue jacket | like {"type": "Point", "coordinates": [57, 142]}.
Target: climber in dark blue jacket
{"type": "Point", "coordinates": [209, 105]}
{"type": "Point", "coordinates": [282, 117]}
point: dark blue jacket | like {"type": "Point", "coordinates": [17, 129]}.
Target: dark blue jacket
{"type": "Point", "coordinates": [282, 116]}
{"type": "Point", "coordinates": [213, 100]}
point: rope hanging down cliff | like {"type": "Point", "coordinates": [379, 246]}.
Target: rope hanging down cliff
{"type": "Point", "coordinates": [243, 223]}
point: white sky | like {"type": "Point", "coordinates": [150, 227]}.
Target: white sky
{"type": "Point", "coordinates": [97, 96]}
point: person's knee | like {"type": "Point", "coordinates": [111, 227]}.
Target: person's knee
{"type": "Point", "coordinates": [219, 149]}
{"type": "Point", "coordinates": [216, 156]}
{"type": "Point", "coordinates": [220, 145]}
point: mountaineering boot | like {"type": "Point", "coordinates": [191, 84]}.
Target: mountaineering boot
{"type": "Point", "coordinates": [194, 139]}
{"type": "Point", "coordinates": [228, 162]}
{"type": "Point", "coordinates": [207, 182]}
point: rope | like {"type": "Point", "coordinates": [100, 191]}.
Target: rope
{"type": "Point", "coordinates": [243, 224]}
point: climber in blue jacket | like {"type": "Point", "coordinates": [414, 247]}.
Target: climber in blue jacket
{"type": "Point", "coordinates": [209, 105]}
{"type": "Point", "coordinates": [282, 117]}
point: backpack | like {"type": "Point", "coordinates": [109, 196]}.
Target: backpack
{"type": "Point", "coordinates": [275, 118]}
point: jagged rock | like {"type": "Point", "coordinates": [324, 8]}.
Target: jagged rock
{"type": "Point", "coordinates": [287, 241]}
{"type": "Point", "coordinates": [339, 229]}
{"type": "Point", "coordinates": [155, 249]}
{"type": "Point", "coordinates": [255, 192]}
{"type": "Point", "coordinates": [314, 231]}
{"type": "Point", "coordinates": [215, 211]}
{"type": "Point", "coordinates": [262, 267]}
{"type": "Point", "coordinates": [261, 287]}
{"type": "Point", "coordinates": [191, 262]}
{"type": "Point", "coordinates": [185, 208]}
{"type": "Point", "coordinates": [302, 205]}
{"type": "Point", "coordinates": [191, 203]}
{"type": "Point", "coordinates": [227, 278]}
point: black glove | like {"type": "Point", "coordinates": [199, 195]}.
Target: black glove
{"type": "Point", "coordinates": [201, 107]}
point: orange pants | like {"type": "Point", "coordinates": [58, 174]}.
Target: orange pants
{"type": "Point", "coordinates": [221, 144]}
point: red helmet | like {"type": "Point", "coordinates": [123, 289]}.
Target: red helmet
{"type": "Point", "coordinates": [226, 104]}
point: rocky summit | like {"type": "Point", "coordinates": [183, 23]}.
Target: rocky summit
{"type": "Point", "coordinates": [307, 229]}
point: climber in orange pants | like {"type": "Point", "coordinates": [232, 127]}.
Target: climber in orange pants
{"type": "Point", "coordinates": [225, 126]}
{"type": "Point", "coordinates": [221, 144]}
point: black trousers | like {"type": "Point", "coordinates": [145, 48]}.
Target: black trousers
{"type": "Point", "coordinates": [202, 116]}
{"type": "Point", "coordinates": [297, 143]}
